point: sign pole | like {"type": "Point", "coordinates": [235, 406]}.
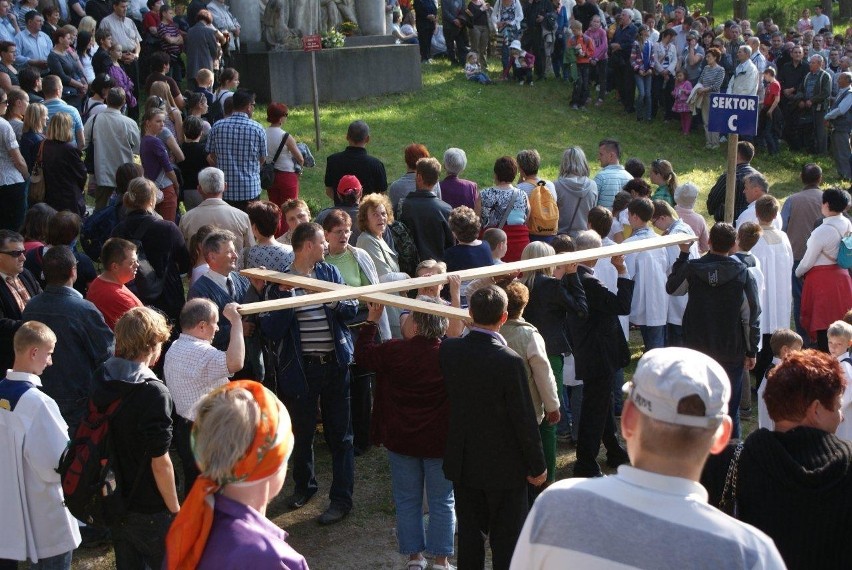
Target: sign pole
{"type": "Point", "coordinates": [316, 96]}
{"type": "Point", "coordinates": [731, 178]}
{"type": "Point", "coordinates": [313, 44]}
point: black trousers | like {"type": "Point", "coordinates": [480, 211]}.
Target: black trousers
{"type": "Point", "coordinates": [456, 39]}
{"type": "Point", "coordinates": [498, 514]}
{"type": "Point", "coordinates": [183, 433]}
{"type": "Point", "coordinates": [425, 31]}
{"type": "Point", "coordinates": [764, 359]}
{"type": "Point", "coordinates": [596, 423]}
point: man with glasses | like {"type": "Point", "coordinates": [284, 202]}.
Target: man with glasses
{"type": "Point", "coordinates": [237, 145]}
{"type": "Point", "coordinates": [18, 287]}
{"type": "Point", "coordinates": [214, 211]}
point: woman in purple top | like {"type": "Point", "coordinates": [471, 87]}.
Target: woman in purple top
{"type": "Point", "coordinates": [156, 164]}
{"type": "Point", "coordinates": [411, 416]}
{"type": "Point", "coordinates": [458, 192]}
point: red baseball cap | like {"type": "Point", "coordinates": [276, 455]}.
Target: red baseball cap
{"type": "Point", "coordinates": [349, 184]}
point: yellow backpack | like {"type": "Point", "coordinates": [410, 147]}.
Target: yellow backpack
{"type": "Point", "coordinates": [544, 213]}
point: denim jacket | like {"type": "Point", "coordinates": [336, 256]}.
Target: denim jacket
{"type": "Point", "coordinates": [282, 328]}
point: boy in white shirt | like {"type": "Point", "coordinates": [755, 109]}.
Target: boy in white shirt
{"type": "Point", "coordinates": [36, 525]}
{"type": "Point", "coordinates": [839, 341]}
{"type": "Point", "coordinates": [783, 342]}
{"type": "Point", "coordinates": [648, 269]}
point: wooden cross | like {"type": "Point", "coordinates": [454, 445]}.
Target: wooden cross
{"type": "Point", "coordinates": [380, 293]}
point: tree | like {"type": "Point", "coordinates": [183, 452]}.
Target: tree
{"type": "Point", "coordinates": [741, 9]}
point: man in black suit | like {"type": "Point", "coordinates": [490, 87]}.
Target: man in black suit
{"type": "Point", "coordinates": [17, 288]}
{"type": "Point", "coordinates": [600, 349]}
{"type": "Point", "coordinates": [493, 447]}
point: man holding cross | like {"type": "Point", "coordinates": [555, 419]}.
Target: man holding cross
{"type": "Point", "coordinates": [315, 350]}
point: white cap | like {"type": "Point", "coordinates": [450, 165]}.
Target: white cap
{"type": "Point", "coordinates": [516, 44]}
{"type": "Point", "coordinates": [665, 376]}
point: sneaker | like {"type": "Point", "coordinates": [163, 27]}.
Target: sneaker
{"type": "Point", "coordinates": [599, 103]}
{"type": "Point", "coordinates": [575, 107]}
{"type": "Point", "coordinates": [521, 82]}
{"type": "Point", "coordinates": [419, 564]}
{"type": "Point", "coordinates": [531, 83]}
{"type": "Point", "coordinates": [442, 567]}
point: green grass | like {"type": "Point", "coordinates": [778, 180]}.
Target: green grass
{"type": "Point", "coordinates": [489, 121]}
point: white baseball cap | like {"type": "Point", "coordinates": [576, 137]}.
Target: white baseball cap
{"type": "Point", "coordinates": [665, 376]}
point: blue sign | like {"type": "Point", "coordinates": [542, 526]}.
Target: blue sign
{"type": "Point", "coordinates": [733, 114]}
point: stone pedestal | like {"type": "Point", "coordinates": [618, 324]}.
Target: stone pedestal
{"type": "Point", "coordinates": [343, 74]}
{"type": "Point", "coordinates": [371, 17]}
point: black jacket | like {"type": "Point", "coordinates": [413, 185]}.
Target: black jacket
{"type": "Point", "coordinates": [427, 218]}
{"type": "Point", "coordinates": [10, 316]}
{"type": "Point", "coordinates": [551, 302]}
{"type": "Point", "coordinates": [716, 198]}
{"type": "Point", "coordinates": [598, 340]}
{"type": "Point", "coordinates": [722, 317]}
{"type": "Point", "coordinates": [493, 440]}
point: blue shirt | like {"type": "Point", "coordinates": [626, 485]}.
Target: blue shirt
{"type": "Point", "coordinates": [239, 144]}
{"type": "Point", "coordinates": [59, 106]}
{"type": "Point", "coordinates": [30, 47]}
{"type": "Point", "coordinates": [610, 181]}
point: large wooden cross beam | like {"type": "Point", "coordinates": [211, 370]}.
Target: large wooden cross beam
{"type": "Point", "coordinates": [379, 293]}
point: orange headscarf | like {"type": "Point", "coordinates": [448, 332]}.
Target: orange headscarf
{"type": "Point", "coordinates": [272, 443]}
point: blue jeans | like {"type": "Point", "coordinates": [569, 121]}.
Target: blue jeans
{"type": "Point", "coordinates": [409, 477]}
{"type": "Point", "coordinates": [58, 562]}
{"type": "Point", "coordinates": [139, 540]}
{"type": "Point", "coordinates": [653, 337]}
{"type": "Point", "coordinates": [798, 283]}
{"type": "Point", "coordinates": [643, 96]}
{"type": "Point", "coordinates": [330, 383]}
{"type": "Point", "coordinates": [735, 375]}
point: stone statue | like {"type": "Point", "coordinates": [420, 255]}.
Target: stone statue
{"type": "Point", "coordinates": [284, 22]}
{"type": "Point", "coordinates": [335, 12]}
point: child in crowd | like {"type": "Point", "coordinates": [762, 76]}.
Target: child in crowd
{"type": "Point", "coordinates": [473, 71]}
{"type": "Point", "coordinates": [522, 63]}
{"type": "Point", "coordinates": [37, 526]}
{"type": "Point", "coordinates": [229, 81]}
{"type": "Point", "coordinates": [195, 158]}
{"type": "Point", "coordinates": [204, 84]}
{"type": "Point", "coordinates": [619, 216]}
{"type": "Point", "coordinates": [496, 238]}
{"type": "Point", "coordinates": [748, 234]}
{"type": "Point", "coordinates": [583, 48]}
{"type": "Point", "coordinates": [771, 98]}
{"type": "Point", "coordinates": [682, 89]}
{"type": "Point", "coordinates": [635, 168]}
{"type": "Point", "coordinates": [293, 212]}
{"type": "Point", "coordinates": [783, 343]}
{"type": "Point", "coordinates": [197, 106]}
{"type": "Point", "coordinates": [839, 342]}
{"type": "Point", "coordinates": [685, 196]}
{"type": "Point", "coordinates": [648, 269]}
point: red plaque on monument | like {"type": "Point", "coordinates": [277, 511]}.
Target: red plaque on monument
{"type": "Point", "coordinates": [312, 43]}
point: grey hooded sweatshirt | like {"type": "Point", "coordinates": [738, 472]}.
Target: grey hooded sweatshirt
{"type": "Point", "coordinates": [575, 196]}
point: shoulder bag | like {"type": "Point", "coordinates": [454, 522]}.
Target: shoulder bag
{"type": "Point", "coordinates": [267, 171]}
{"type": "Point", "coordinates": [37, 186]}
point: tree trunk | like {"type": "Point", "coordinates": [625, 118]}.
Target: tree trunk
{"type": "Point", "coordinates": [845, 12]}
{"type": "Point", "coordinates": [649, 6]}
{"type": "Point", "coordinates": [740, 9]}
{"type": "Point", "coordinates": [827, 6]}
{"type": "Point", "coordinates": [708, 6]}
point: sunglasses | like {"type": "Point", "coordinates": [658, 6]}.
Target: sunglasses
{"type": "Point", "coordinates": [17, 252]}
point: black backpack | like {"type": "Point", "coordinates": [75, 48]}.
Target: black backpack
{"type": "Point", "coordinates": [97, 228]}
{"type": "Point", "coordinates": [406, 248]}
{"type": "Point", "coordinates": [148, 284]}
{"type": "Point", "coordinates": [216, 112]}
{"type": "Point", "coordinates": [90, 480]}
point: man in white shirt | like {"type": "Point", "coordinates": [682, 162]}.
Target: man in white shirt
{"type": "Point", "coordinates": [755, 186]}
{"type": "Point", "coordinates": [215, 211]}
{"type": "Point", "coordinates": [674, 418]}
{"type": "Point", "coordinates": [194, 367]}
{"type": "Point", "coordinates": [820, 21]}
{"type": "Point", "coordinates": [746, 78]}
{"type": "Point", "coordinates": [123, 30]}
{"type": "Point", "coordinates": [36, 525]}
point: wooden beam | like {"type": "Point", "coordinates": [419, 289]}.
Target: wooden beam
{"type": "Point", "coordinates": [465, 275]}
{"type": "Point", "coordinates": [383, 298]}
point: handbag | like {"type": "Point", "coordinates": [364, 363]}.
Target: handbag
{"type": "Point", "coordinates": [267, 171]}
{"type": "Point", "coordinates": [89, 155]}
{"type": "Point", "coordinates": [37, 187]}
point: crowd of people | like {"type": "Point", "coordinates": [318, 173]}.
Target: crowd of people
{"type": "Point", "coordinates": [238, 398]}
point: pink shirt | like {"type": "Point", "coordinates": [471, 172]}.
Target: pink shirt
{"type": "Point", "coordinates": [698, 225]}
